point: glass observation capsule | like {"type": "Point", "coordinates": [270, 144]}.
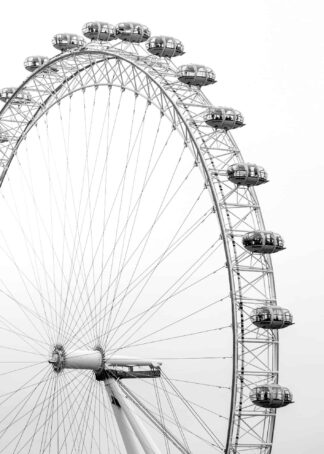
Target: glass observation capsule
{"type": "Point", "coordinates": [99, 31]}
{"type": "Point", "coordinates": [197, 75]}
{"type": "Point", "coordinates": [23, 97]}
{"type": "Point", "coordinates": [263, 242]}
{"type": "Point", "coordinates": [271, 317]}
{"type": "Point", "coordinates": [3, 136]}
{"type": "Point", "coordinates": [246, 174]}
{"type": "Point", "coordinates": [132, 32]}
{"type": "Point", "coordinates": [271, 396]}
{"type": "Point", "coordinates": [224, 118]}
{"type": "Point", "coordinates": [165, 46]}
{"type": "Point", "coordinates": [34, 62]}
{"type": "Point", "coordinates": [67, 41]}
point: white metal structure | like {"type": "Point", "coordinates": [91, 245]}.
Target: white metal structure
{"type": "Point", "coordinates": [120, 242]}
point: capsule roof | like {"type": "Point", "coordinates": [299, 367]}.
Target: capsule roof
{"type": "Point", "coordinates": [194, 74]}
{"type": "Point", "coordinates": [99, 31]}
{"type": "Point", "coordinates": [165, 46]}
{"type": "Point", "coordinates": [224, 118]}
{"type": "Point", "coordinates": [132, 32]}
{"type": "Point", "coordinates": [271, 395]}
{"type": "Point", "coordinates": [67, 41]}
{"type": "Point", "coordinates": [271, 317]}
{"type": "Point", "coordinates": [34, 62]}
{"type": "Point", "coordinates": [247, 174]}
{"type": "Point", "coordinates": [263, 242]}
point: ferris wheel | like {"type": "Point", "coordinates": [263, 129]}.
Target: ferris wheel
{"type": "Point", "coordinates": [138, 305]}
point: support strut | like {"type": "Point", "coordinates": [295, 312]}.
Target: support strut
{"type": "Point", "coordinates": [126, 420]}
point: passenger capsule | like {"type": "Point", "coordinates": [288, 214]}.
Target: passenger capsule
{"type": "Point", "coordinates": [165, 46]}
{"type": "Point", "coordinates": [22, 97]}
{"type": "Point", "coordinates": [271, 396]}
{"type": "Point", "coordinates": [132, 32]}
{"type": "Point", "coordinates": [3, 136]}
{"type": "Point", "coordinates": [263, 242]}
{"type": "Point", "coordinates": [246, 174]}
{"type": "Point", "coordinates": [99, 31]}
{"type": "Point", "coordinates": [34, 62]}
{"type": "Point", "coordinates": [224, 118]}
{"type": "Point", "coordinates": [271, 317]}
{"type": "Point", "coordinates": [67, 41]}
{"type": "Point", "coordinates": [197, 75]}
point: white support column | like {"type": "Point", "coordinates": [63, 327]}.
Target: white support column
{"type": "Point", "coordinates": [128, 421]}
{"type": "Point", "coordinates": [128, 436]}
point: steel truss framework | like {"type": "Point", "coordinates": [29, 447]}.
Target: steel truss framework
{"type": "Point", "coordinates": [255, 351]}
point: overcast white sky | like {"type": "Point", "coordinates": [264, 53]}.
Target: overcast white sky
{"type": "Point", "coordinates": [268, 58]}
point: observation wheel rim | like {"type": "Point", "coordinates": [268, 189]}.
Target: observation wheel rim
{"type": "Point", "coordinates": [147, 70]}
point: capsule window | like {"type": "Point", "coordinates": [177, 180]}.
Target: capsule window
{"type": "Point", "coordinates": [269, 239]}
{"type": "Point", "coordinates": [257, 239]}
{"type": "Point", "coordinates": [279, 241]}
{"type": "Point", "coordinates": [265, 315]}
{"type": "Point", "coordinates": [288, 316]}
{"type": "Point", "coordinates": [257, 317]}
{"type": "Point", "coordinates": [287, 396]}
{"type": "Point", "coordinates": [278, 394]}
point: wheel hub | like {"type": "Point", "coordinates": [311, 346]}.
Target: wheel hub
{"type": "Point", "coordinates": [77, 359]}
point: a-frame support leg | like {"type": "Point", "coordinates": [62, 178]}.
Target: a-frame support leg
{"type": "Point", "coordinates": [131, 428]}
